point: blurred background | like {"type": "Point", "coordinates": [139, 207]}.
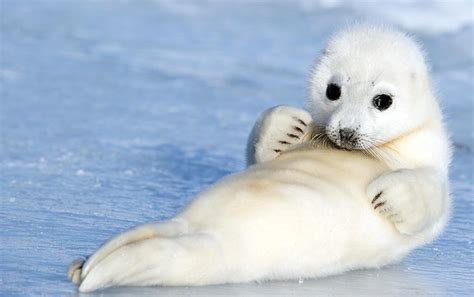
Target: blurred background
{"type": "Point", "coordinates": [115, 113]}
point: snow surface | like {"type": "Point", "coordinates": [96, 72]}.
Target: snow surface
{"type": "Point", "coordinates": [115, 113]}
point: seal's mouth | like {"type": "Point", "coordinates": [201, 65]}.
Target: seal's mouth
{"type": "Point", "coordinates": [349, 141]}
{"type": "Point", "coordinates": [346, 138]}
{"type": "Point", "coordinates": [321, 137]}
{"type": "Point", "coordinates": [345, 146]}
{"type": "Point", "coordinates": [348, 145]}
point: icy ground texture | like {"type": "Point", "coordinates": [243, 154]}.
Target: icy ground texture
{"type": "Point", "coordinates": [115, 113]}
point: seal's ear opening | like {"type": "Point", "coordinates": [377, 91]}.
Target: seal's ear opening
{"type": "Point", "coordinates": [326, 52]}
{"type": "Point", "coordinates": [417, 82]}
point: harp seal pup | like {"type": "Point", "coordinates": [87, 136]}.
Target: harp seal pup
{"type": "Point", "coordinates": [358, 182]}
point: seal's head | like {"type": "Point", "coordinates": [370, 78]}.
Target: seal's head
{"type": "Point", "coordinates": [370, 86]}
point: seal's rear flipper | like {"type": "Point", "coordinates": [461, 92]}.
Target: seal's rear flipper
{"type": "Point", "coordinates": [75, 270]}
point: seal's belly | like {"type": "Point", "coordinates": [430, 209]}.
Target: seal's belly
{"type": "Point", "coordinates": [320, 180]}
{"type": "Point", "coordinates": [308, 202]}
{"type": "Point", "coordinates": [345, 168]}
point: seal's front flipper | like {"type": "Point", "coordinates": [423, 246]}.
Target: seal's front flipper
{"type": "Point", "coordinates": [277, 129]}
{"type": "Point", "coordinates": [412, 199]}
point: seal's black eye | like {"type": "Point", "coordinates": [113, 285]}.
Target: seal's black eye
{"type": "Point", "coordinates": [333, 92]}
{"type": "Point", "coordinates": [382, 102]}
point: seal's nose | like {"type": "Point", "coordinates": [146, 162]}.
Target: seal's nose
{"type": "Point", "coordinates": [346, 135]}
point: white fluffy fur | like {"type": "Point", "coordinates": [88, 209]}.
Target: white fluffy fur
{"type": "Point", "coordinates": [308, 210]}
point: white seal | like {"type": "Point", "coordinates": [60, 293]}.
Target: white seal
{"type": "Point", "coordinates": [358, 182]}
